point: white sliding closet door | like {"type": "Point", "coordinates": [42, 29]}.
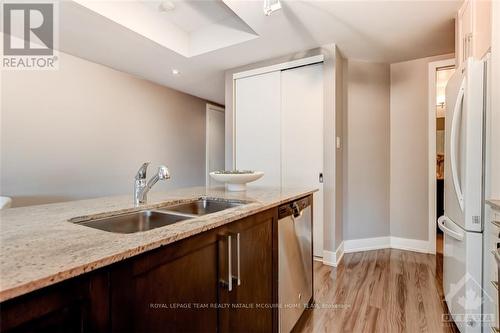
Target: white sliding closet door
{"type": "Point", "coordinates": [257, 126]}
{"type": "Point", "coordinates": [302, 137]}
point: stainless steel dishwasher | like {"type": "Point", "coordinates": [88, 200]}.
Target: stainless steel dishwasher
{"type": "Point", "coordinates": [295, 288]}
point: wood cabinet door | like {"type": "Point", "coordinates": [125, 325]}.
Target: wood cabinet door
{"type": "Point", "coordinates": [248, 306]}
{"type": "Point", "coordinates": [481, 28]}
{"type": "Point", "coordinates": [463, 33]}
{"type": "Point", "coordinates": [172, 289]}
{"type": "Point", "coordinates": [75, 306]}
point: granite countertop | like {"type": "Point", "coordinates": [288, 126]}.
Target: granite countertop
{"type": "Point", "coordinates": [39, 247]}
{"type": "Point", "coordinates": [494, 203]}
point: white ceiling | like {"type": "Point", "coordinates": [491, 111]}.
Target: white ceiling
{"type": "Point", "coordinates": [379, 31]}
{"type": "Point", "coordinates": [214, 25]}
{"type": "Point", "coordinates": [192, 15]}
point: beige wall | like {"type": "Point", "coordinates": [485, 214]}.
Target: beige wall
{"type": "Point", "coordinates": [366, 151]}
{"type": "Point", "coordinates": [409, 165]}
{"type": "Point", "coordinates": [82, 131]}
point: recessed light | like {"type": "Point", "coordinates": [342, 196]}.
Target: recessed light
{"type": "Point", "coordinates": [175, 71]}
{"type": "Point", "coordinates": [166, 6]}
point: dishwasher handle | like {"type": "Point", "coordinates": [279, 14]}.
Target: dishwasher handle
{"type": "Point", "coordinates": [294, 208]}
{"type": "Point", "coordinates": [296, 211]}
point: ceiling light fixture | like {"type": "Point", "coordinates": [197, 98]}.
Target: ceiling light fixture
{"type": "Point", "coordinates": [175, 71]}
{"type": "Point", "coordinates": [166, 6]}
{"type": "Point", "coordinates": [271, 6]}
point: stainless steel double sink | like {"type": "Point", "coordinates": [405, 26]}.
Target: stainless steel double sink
{"type": "Point", "coordinates": [155, 218]}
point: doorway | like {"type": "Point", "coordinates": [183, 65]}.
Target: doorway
{"type": "Point", "coordinates": [439, 74]}
{"type": "Point", "coordinates": [215, 131]}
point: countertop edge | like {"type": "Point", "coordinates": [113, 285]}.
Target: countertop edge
{"type": "Point", "coordinates": [31, 286]}
{"type": "Point", "coordinates": [494, 203]}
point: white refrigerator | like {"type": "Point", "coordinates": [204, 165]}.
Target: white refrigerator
{"type": "Point", "coordinates": [462, 222]}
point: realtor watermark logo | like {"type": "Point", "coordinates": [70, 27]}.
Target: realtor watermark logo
{"type": "Point", "coordinates": [467, 298]}
{"type": "Point", "coordinates": [30, 35]}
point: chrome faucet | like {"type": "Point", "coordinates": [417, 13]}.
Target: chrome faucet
{"type": "Point", "coordinates": [142, 187]}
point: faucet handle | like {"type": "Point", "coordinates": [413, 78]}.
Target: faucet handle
{"type": "Point", "coordinates": [163, 172]}
{"type": "Point", "coordinates": [141, 173]}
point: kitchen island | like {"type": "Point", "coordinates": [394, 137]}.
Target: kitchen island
{"type": "Point", "coordinates": [55, 273]}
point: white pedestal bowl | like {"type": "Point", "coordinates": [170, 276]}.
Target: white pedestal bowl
{"type": "Point", "coordinates": [236, 181]}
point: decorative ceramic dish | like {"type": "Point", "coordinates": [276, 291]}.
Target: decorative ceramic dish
{"type": "Point", "coordinates": [236, 180]}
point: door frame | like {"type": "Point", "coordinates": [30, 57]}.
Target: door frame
{"type": "Point", "coordinates": [209, 107]}
{"type": "Point", "coordinates": [432, 184]}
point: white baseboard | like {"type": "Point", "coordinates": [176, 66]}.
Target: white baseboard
{"type": "Point", "coordinates": [408, 244]}
{"type": "Point", "coordinates": [388, 242]}
{"type": "Point", "coordinates": [333, 258]}
{"type": "Point", "coordinates": [366, 244]}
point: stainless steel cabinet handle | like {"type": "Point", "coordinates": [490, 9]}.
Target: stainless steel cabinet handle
{"type": "Point", "coordinates": [469, 45]}
{"type": "Point", "coordinates": [238, 258]}
{"type": "Point", "coordinates": [229, 265]}
{"type": "Point", "coordinates": [229, 282]}
{"type": "Point", "coordinates": [230, 277]}
{"type": "Point", "coordinates": [237, 279]}
{"type": "Point", "coordinates": [463, 49]}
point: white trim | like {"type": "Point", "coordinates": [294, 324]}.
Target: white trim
{"type": "Point", "coordinates": [215, 107]}
{"type": "Point", "coordinates": [433, 66]}
{"type": "Point", "coordinates": [278, 67]}
{"type": "Point", "coordinates": [377, 243]}
{"type": "Point", "coordinates": [207, 138]}
{"type": "Point", "coordinates": [333, 258]}
{"type": "Point", "coordinates": [366, 244]}
{"type": "Point", "coordinates": [415, 245]}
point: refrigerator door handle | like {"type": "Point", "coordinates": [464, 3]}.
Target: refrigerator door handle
{"type": "Point", "coordinates": [442, 225]}
{"type": "Point", "coordinates": [454, 142]}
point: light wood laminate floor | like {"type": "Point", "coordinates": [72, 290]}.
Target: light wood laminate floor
{"type": "Point", "coordinates": [378, 291]}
